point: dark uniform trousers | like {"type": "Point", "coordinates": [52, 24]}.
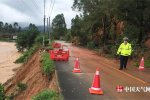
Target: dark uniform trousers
{"type": "Point", "coordinates": [123, 61]}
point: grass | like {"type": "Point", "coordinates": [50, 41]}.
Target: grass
{"type": "Point", "coordinates": [46, 95]}
{"type": "Point", "coordinates": [2, 95]}
{"type": "Point", "coordinates": [49, 47]}
{"type": "Point", "coordinates": [26, 55]}
{"type": "Point", "coordinates": [147, 63]}
{"type": "Point", "coordinates": [21, 86]}
{"type": "Point", "coordinates": [5, 39]}
{"type": "Point", "coordinates": [47, 64]}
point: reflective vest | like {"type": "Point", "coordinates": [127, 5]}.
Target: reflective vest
{"type": "Point", "coordinates": [124, 50]}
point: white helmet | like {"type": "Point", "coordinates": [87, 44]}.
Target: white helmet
{"type": "Point", "coordinates": [125, 38]}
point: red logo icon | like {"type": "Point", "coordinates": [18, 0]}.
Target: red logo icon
{"type": "Point", "coordinates": [119, 88]}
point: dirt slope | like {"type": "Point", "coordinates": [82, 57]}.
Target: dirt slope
{"type": "Point", "coordinates": [31, 74]}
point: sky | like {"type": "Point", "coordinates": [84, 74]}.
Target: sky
{"type": "Point", "coordinates": [32, 11]}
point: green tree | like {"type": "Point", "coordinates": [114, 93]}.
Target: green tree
{"type": "Point", "coordinates": [10, 28]}
{"type": "Point", "coordinates": [1, 26]}
{"type": "Point", "coordinates": [59, 26]}
{"type": "Point", "coordinates": [6, 26]}
{"type": "Point", "coordinates": [97, 16]}
{"type": "Point", "coordinates": [19, 29]}
{"type": "Point", "coordinates": [15, 25]}
{"type": "Point", "coordinates": [2, 95]}
{"type": "Point", "coordinates": [136, 13]}
{"type": "Point", "coordinates": [27, 39]}
{"type": "Point", "coordinates": [76, 26]}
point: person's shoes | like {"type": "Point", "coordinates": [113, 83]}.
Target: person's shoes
{"type": "Point", "coordinates": [124, 67]}
{"type": "Point", "coordinates": [120, 68]}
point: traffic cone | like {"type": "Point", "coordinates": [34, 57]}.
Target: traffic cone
{"type": "Point", "coordinates": [76, 66]}
{"type": "Point", "coordinates": [141, 67]}
{"type": "Point", "coordinates": [96, 89]}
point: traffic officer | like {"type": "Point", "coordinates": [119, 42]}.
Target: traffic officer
{"type": "Point", "coordinates": [124, 51]}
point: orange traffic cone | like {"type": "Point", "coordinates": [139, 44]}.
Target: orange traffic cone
{"type": "Point", "coordinates": [76, 66]}
{"type": "Point", "coordinates": [95, 89]}
{"type": "Point", "coordinates": [141, 67]}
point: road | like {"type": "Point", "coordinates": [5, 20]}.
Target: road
{"type": "Point", "coordinates": [74, 86]}
{"type": "Point", "coordinates": [8, 54]}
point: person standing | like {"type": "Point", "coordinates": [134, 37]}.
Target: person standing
{"type": "Point", "coordinates": [124, 51]}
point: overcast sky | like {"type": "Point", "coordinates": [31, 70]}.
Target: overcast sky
{"type": "Point", "coordinates": [31, 11]}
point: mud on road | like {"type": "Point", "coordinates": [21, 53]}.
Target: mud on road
{"type": "Point", "coordinates": [75, 86]}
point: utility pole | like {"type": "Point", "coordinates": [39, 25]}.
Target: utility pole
{"type": "Point", "coordinates": [49, 29]}
{"type": "Point", "coordinates": [44, 23]}
{"type": "Point", "coordinates": [48, 26]}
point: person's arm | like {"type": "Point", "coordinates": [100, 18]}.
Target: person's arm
{"type": "Point", "coordinates": [119, 50]}
{"type": "Point", "coordinates": [130, 49]}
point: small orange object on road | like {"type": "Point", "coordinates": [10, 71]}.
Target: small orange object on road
{"type": "Point", "coordinates": [96, 89]}
{"type": "Point", "coordinates": [76, 66]}
{"type": "Point", "coordinates": [141, 67]}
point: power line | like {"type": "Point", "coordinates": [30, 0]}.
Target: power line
{"type": "Point", "coordinates": [36, 5]}
{"type": "Point", "coordinates": [25, 5]}
{"type": "Point", "coordinates": [52, 8]}
{"type": "Point", "coordinates": [21, 5]}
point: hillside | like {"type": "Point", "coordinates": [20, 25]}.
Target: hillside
{"type": "Point", "coordinates": [30, 74]}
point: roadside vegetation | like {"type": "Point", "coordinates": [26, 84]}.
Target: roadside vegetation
{"type": "Point", "coordinates": [26, 39]}
{"type": "Point", "coordinates": [18, 89]}
{"type": "Point", "coordinates": [47, 95]}
{"type": "Point", "coordinates": [27, 54]}
{"type": "Point", "coordinates": [2, 95]}
{"type": "Point", "coordinates": [28, 42]}
{"type": "Point", "coordinates": [102, 24]}
{"type": "Point", "coordinates": [47, 64]}
{"type": "Point", "coordinates": [102, 29]}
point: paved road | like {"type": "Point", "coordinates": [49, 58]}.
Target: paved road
{"type": "Point", "coordinates": [75, 86]}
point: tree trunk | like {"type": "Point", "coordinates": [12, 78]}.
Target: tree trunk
{"type": "Point", "coordinates": [104, 30]}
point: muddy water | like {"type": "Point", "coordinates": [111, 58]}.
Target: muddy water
{"type": "Point", "coordinates": [8, 54]}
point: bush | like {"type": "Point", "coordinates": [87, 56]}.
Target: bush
{"type": "Point", "coordinates": [90, 45]}
{"type": "Point", "coordinates": [46, 95]}
{"type": "Point", "coordinates": [114, 49]}
{"type": "Point", "coordinates": [147, 63]}
{"type": "Point", "coordinates": [47, 64]}
{"type": "Point", "coordinates": [27, 38]}
{"type": "Point", "coordinates": [21, 86]}
{"type": "Point", "coordinates": [50, 47]}
{"type": "Point", "coordinates": [136, 64]}
{"type": "Point", "coordinates": [39, 39]}
{"type": "Point", "coordinates": [68, 36]}
{"type": "Point", "coordinates": [46, 42]}
{"type": "Point", "coordinates": [2, 95]}
{"type": "Point", "coordinates": [27, 54]}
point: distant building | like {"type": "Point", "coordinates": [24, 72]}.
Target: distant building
{"type": "Point", "coordinates": [10, 36]}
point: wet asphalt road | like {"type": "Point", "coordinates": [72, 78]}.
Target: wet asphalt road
{"type": "Point", "coordinates": [74, 86]}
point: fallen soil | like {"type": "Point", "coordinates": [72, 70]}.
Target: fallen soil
{"type": "Point", "coordinates": [30, 74]}
{"type": "Point", "coordinates": [8, 54]}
